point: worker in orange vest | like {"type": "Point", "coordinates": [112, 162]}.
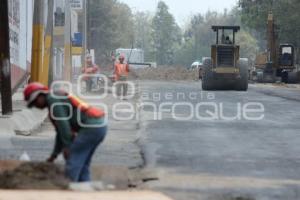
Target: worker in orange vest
{"type": "Point", "coordinates": [90, 69]}
{"type": "Point", "coordinates": [80, 128]}
{"type": "Point", "coordinates": [121, 72]}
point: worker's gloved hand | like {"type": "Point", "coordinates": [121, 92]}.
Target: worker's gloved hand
{"type": "Point", "coordinates": [51, 159]}
{"type": "Point", "coordinates": [66, 153]}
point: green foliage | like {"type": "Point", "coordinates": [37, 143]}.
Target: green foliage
{"type": "Point", "coordinates": [125, 24]}
{"type": "Point", "coordinates": [286, 13]}
{"type": "Point", "coordinates": [166, 35]}
{"type": "Point", "coordinates": [199, 36]}
{"type": "Point", "coordinates": [185, 55]}
{"type": "Point", "coordinates": [143, 37]}
{"type": "Point", "coordinates": [110, 27]}
{"type": "Point", "coordinates": [248, 45]}
{"type": "Point", "coordinates": [113, 25]}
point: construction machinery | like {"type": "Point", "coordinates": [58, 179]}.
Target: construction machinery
{"type": "Point", "coordinates": [225, 70]}
{"type": "Point", "coordinates": [277, 62]}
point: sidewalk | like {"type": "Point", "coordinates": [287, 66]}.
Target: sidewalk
{"type": "Point", "coordinates": [23, 121]}
{"type": "Point", "coordinates": [50, 195]}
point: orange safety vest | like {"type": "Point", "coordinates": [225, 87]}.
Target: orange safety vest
{"type": "Point", "coordinates": [89, 70]}
{"type": "Point", "coordinates": [86, 108]}
{"type": "Point", "coordinates": [121, 70]}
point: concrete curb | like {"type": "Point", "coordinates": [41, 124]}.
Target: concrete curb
{"type": "Point", "coordinates": [26, 121]}
{"type": "Point", "coordinates": [7, 126]}
{"type": "Point", "coordinates": [67, 195]}
{"type": "Point", "coordinates": [23, 121]}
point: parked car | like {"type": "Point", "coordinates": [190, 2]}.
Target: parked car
{"type": "Point", "coordinates": [195, 65]}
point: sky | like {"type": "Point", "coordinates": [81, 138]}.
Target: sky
{"type": "Point", "coordinates": [182, 9]}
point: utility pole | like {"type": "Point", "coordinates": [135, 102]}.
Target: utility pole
{"type": "Point", "coordinates": [68, 46]}
{"type": "Point", "coordinates": [37, 42]}
{"type": "Point", "coordinates": [88, 26]}
{"type": "Point", "coordinates": [5, 75]}
{"type": "Point", "coordinates": [84, 32]}
{"type": "Point", "coordinates": [48, 52]}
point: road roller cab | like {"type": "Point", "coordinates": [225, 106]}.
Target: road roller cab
{"type": "Point", "coordinates": [225, 69]}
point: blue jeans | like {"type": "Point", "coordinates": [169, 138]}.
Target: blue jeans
{"type": "Point", "coordinates": [81, 152]}
{"type": "Point", "coordinates": [89, 85]}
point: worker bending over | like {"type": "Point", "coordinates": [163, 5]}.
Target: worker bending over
{"type": "Point", "coordinates": [80, 128]}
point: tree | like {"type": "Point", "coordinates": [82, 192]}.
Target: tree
{"type": "Point", "coordinates": [185, 55]}
{"type": "Point", "coordinates": [101, 27]}
{"type": "Point", "coordinates": [142, 32]}
{"type": "Point", "coordinates": [199, 37]}
{"type": "Point", "coordinates": [166, 35]}
{"type": "Point", "coordinates": [248, 45]}
{"type": "Point", "coordinates": [124, 26]}
{"type": "Point", "coordinates": [110, 27]}
{"type": "Point", "coordinates": [286, 13]}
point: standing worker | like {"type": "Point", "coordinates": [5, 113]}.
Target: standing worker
{"type": "Point", "coordinates": [121, 76]}
{"type": "Point", "coordinates": [80, 128]}
{"type": "Point", "coordinates": [89, 69]}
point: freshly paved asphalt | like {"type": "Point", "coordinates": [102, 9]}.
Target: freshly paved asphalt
{"type": "Point", "coordinates": [221, 158]}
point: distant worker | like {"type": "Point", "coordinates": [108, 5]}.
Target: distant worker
{"type": "Point", "coordinates": [90, 69]}
{"type": "Point", "coordinates": [80, 128]}
{"type": "Point", "coordinates": [121, 72]}
{"type": "Point", "coordinates": [227, 40]}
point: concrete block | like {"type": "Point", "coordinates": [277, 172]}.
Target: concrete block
{"type": "Point", "coordinates": [26, 121]}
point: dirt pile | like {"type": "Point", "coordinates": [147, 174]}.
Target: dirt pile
{"type": "Point", "coordinates": [34, 176]}
{"type": "Point", "coordinates": [6, 165]}
{"type": "Point", "coordinates": [165, 73]}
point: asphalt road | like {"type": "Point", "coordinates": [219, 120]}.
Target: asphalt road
{"type": "Point", "coordinates": [221, 158]}
{"type": "Point", "coordinates": [208, 156]}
